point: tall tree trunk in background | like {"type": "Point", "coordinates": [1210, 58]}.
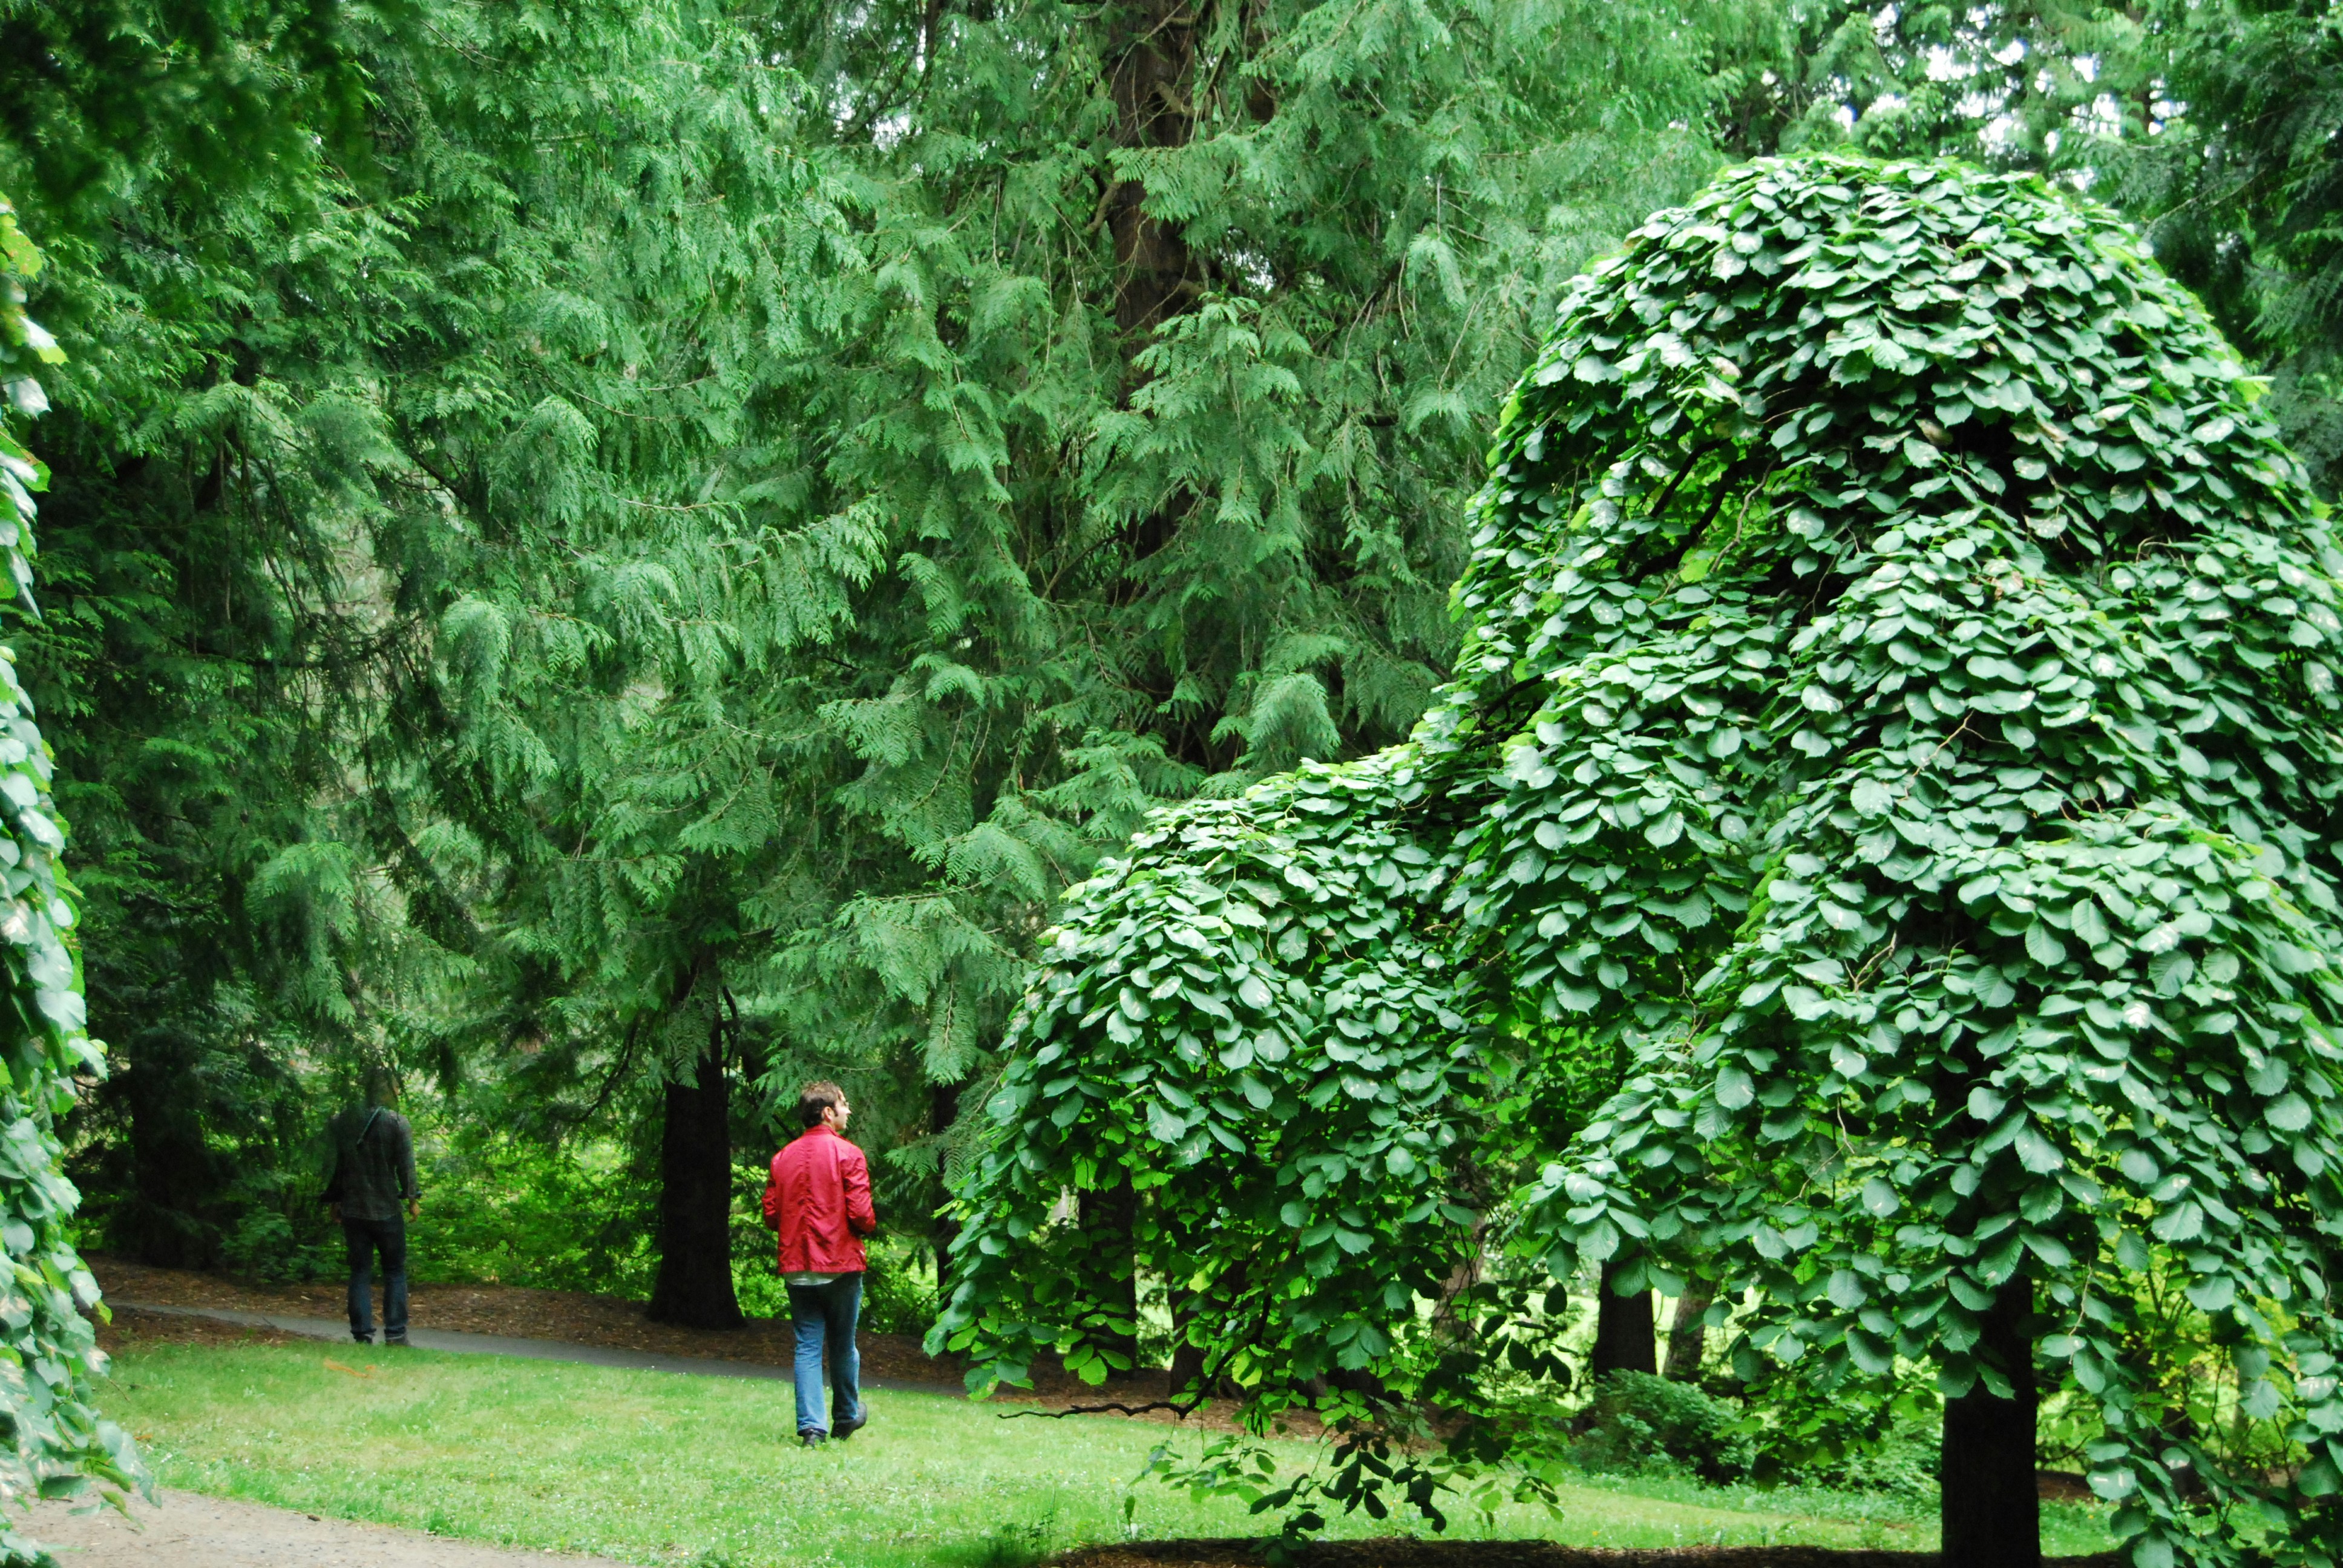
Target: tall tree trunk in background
{"type": "Point", "coordinates": [175, 1176]}
{"type": "Point", "coordinates": [694, 1287]}
{"type": "Point", "coordinates": [1990, 1513]}
{"type": "Point", "coordinates": [1624, 1330]}
{"type": "Point", "coordinates": [1150, 70]}
{"type": "Point", "coordinates": [1687, 1335]}
{"type": "Point", "coordinates": [943, 1109]}
{"type": "Point", "coordinates": [1151, 57]}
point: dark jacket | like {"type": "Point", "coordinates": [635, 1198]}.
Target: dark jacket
{"type": "Point", "coordinates": [819, 1201]}
{"type": "Point", "coordinates": [374, 1164]}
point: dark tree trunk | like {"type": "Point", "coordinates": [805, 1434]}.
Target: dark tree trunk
{"type": "Point", "coordinates": [1624, 1330]}
{"type": "Point", "coordinates": [1990, 1512]}
{"type": "Point", "coordinates": [1151, 57]}
{"type": "Point", "coordinates": [943, 1109]}
{"type": "Point", "coordinates": [176, 1177]}
{"type": "Point", "coordinates": [1111, 1217]}
{"type": "Point", "coordinates": [1687, 1335]}
{"type": "Point", "coordinates": [694, 1286]}
{"type": "Point", "coordinates": [1151, 63]}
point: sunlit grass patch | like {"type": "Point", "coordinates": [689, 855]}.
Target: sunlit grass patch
{"type": "Point", "coordinates": [655, 1468]}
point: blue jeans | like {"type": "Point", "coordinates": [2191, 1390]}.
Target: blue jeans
{"type": "Point", "coordinates": [365, 1238]}
{"type": "Point", "coordinates": [825, 1314]}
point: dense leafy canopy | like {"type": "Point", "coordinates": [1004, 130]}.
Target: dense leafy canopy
{"type": "Point", "coordinates": [1999, 671]}
{"type": "Point", "coordinates": [1246, 1023]}
{"type": "Point", "coordinates": [2241, 191]}
{"type": "Point", "coordinates": [560, 566]}
{"type": "Point", "coordinates": [1894, 712]}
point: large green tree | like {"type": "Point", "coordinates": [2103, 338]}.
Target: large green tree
{"type": "Point", "coordinates": [619, 551]}
{"type": "Point", "coordinates": [216, 628]}
{"type": "Point", "coordinates": [1157, 340]}
{"type": "Point", "coordinates": [1894, 712]}
{"type": "Point", "coordinates": [398, 410]}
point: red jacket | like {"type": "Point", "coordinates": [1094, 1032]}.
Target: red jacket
{"type": "Point", "coordinates": [819, 1201]}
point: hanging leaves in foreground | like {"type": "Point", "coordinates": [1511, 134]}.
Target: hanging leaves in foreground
{"type": "Point", "coordinates": [55, 1442]}
{"type": "Point", "coordinates": [1897, 710]}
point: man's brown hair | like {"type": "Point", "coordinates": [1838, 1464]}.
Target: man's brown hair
{"type": "Point", "coordinates": [817, 1097]}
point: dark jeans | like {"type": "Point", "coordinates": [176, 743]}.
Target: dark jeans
{"type": "Point", "coordinates": [365, 1238]}
{"type": "Point", "coordinates": [823, 1316]}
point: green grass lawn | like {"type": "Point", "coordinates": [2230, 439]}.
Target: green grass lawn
{"type": "Point", "coordinates": [657, 1469]}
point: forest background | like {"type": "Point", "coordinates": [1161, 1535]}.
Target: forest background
{"type": "Point", "coordinates": [615, 556]}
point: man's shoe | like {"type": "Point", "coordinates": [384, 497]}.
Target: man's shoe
{"type": "Point", "coordinates": [813, 1438]}
{"type": "Point", "coordinates": [362, 1339]}
{"type": "Point", "coordinates": [842, 1430]}
{"type": "Point", "coordinates": [399, 1340]}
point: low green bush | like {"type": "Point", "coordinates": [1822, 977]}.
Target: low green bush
{"type": "Point", "coordinates": [1638, 1422]}
{"type": "Point", "coordinates": [899, 1293]}
{"type": "Point", "coordinates": [1860, 1435]}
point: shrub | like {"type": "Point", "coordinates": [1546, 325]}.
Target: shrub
{"type": "Point", "coordinates": [1639, 1422]}
{"type": "Point", "coordinates": [1859, 1435]}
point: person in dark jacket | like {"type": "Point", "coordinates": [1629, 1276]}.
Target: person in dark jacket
{"type": "Point", "coordinates": [374, 1175]}
{"type": "Point", "coordinates": [819, 1200]}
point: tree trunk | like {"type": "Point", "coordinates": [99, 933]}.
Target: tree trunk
{"type": "Point", "coordinates": [1150, 56]}
{"type": "Point", "coordinates": [1624, 1330]}
{"type": "Point", "coordinates": [943, 1109]}
{"type": "Point", "coordinates": [694, 1286]}
{"type": "Point", "coordinates": [1990, 1512]}
{"type": "Point", "coordinates": [175, 1175]}
{"type": "Point", "coordinates": [1151, 63]}
{"type": "Point", "coordinates": [1687, 1335]}
{"type": "Point", "coordinates": [1111, 1217]}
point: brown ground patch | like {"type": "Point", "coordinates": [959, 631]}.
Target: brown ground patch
{"type": "Point", "coordinates": [575, 1318]}
{"type": "Point", "coordinates": [1402, 1552]}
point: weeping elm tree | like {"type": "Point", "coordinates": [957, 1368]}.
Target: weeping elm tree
{"type": "Point", "coordinates": [1897, 714]}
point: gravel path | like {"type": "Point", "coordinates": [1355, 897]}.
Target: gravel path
{"type": "Point", "coordinates": [190, 1531]}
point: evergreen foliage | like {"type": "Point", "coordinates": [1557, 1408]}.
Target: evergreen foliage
{"type": "Point", "coordinates": [1893, 714]}
{"type": "Point", "coordinates": [56, 1444]}
{"type": "Point", "coordinates": [2242, 193]}
{"type": "Point", "coordinates": [1140, 549]}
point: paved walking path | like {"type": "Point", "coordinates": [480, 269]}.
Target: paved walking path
{"type": "Point", "coordinates": [335, 1330]}
{"type": "Point", "coordinates": [191, 1531]}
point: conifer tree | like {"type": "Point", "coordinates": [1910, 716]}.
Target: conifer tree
{"type": "Point", "coordinates": [1159, 346]}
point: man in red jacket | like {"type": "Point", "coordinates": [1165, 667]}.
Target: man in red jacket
{"type": "Point", "coordinates": [819, 1201]}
